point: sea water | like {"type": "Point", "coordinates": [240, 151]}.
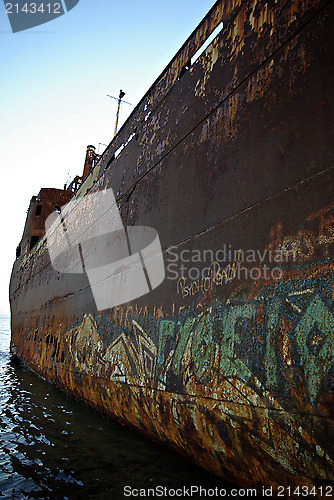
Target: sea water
{"type": "Point", "coordinates": [54, 447]}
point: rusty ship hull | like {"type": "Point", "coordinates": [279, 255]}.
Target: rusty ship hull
{"type": "Point", "coordinates": [231, 159]}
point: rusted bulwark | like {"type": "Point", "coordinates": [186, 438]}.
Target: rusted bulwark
{"type": "Point", "coordinates": [230, 159]}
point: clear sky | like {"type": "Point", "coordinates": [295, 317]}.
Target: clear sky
{"type": "Point", "coordinates": [54, 84]}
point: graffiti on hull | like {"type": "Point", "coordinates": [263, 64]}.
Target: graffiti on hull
{"type": "Point", "coordinates": [281, 337]}
{"type": "Point", "coordinates": [230, 380]}
{"type": "Point", "coordinates": [255, 375]}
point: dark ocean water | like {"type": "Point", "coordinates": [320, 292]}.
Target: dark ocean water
{"type": "Point", "coordinates": [52, 446]}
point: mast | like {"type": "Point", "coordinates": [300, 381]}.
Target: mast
{"type": "Point", "coordinates": [119, 99]}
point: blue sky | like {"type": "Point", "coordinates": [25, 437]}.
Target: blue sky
{"type": "Point", "coordinates": [54, 84]}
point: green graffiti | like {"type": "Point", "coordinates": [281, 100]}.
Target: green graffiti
{"type": "Point", "coordinates": [203, 349]}
{"type": "Point", "coordinates": [183, 337]}
{"type": "Point", "coordinates": [310, 336]}
{"type": "Point", "coordinates": [315, 342]}
{"type": "Point", "coordinates": [166, 330]}
{"type": "Point", "coordinates": [230, 366]}
{"type": "Point", "coordinates": [273, 318]}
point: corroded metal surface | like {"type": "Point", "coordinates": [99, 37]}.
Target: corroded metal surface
{"type": "Point", "coordinates": [231, 359]}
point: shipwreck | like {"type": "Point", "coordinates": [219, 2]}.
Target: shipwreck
{"type": "Point", "coordinates": [219, 339]}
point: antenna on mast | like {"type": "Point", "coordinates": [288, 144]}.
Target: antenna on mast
{"type": "Point", "coordinates": [101, 144]}
{"type": "Point", "coordinates": [119, 99]}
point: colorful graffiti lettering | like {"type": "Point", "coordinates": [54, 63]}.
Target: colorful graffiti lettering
{"type": "Point", "coordinates": [259, 368]}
